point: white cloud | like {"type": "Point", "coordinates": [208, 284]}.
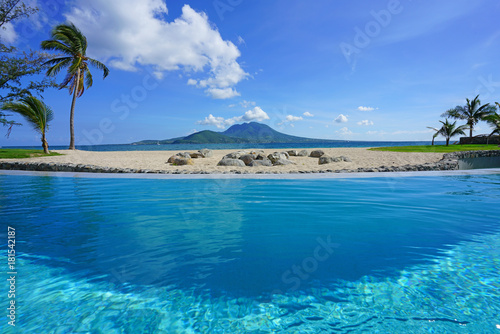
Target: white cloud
{"type": "Point", "coordinates": [341, 119]}
{"type": "Point", "coordinates": [256, 114]}
{"type": "Point", "coordinates": [130, 33]}
{"type": "Point", "coordinates": [308, 114]}
{"type": "Point", "coordinates": [291, 118]}
{"type": "Point", "coordinates": [7, 33]}
{"type": "Point", "coordinates": [361, 108]}
{"type": "Point", "coordinates": [247, 104]}
{"type": "Point", "coordinates": [365, 122]}
{"type": "Point", "coordinates": [344, 132]}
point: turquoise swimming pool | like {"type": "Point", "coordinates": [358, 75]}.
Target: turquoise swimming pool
{"type": "Point", "coordinates": [417, 254]}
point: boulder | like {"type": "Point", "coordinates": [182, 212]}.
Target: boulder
{"type": "Point", "coordinates": [283, 162]}
{"type": "Point", "coordinates": [317, 154]}
{"type": "Point", "coordinates": [293, 153]}
{"type": "Point", "coordinates": [256, 163]}
{"type": "Point", "coordinates": [346, 159]}
{"type": "Point", "coordinates": [303, 153]}
{"type": "Point", "coordinates": [235, 155]}
{"type": "Point", "coordinates": [206, 153]}
{"type": "Point", "coordinates": [231, 162]}
{"type": "Point", "coordinates": [247, 158]}
{"type": "Point", "coordinates": [325, 159]}
{"type": "Point", "coordinates": [171, 159]}
{"type": "Point", "coordinates": [180, 161]}
{"type": "Point", "coordinates": [196, 155]}
{"type": "Point", "coordinates": [277, 156]}
{"type": "Point", "coordinates": [261, 156]}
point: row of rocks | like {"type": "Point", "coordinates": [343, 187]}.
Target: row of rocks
{"type": "Point", "coordinates": [255, 158]}
{"type": "Point", "coordinates": [186, 158]}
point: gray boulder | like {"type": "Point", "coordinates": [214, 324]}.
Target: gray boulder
{"type": "Point", "coordinates": [317, 154]}
{"type": "Point", "coordinates": [283, 162]}
{"type": "Point", "coordinates": [346, 159]}
{"type": "Point", "coordinates": [277, 156]}
{"type": "Point", "coordinates": [257, 163]}
{"type": "Point", "coordinates": [206, 153]}
{"type": "Point", "coordinates": [196, 155]}
{"type": "Point", "coordinates": [303, 153]}
{"type": "Point", "coordinates": [325, 159]}
{"type": "Point", "coordinates": [293, 153]}
{"type": "Point", "coordinates": [261, 156]}
{"type": "Point", "coordinates": [231, 162]}
{"type": "Point", "coordinates": [247, 158]}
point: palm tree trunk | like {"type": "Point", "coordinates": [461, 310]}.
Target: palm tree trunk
{"type": "Point", "coordinates": [447, 141]}
{"type": "Point", "coordinates": [470, 128]}
{"type": "Point", "coordinates": [72, 114]}
{"type": "Point", "coordinates": [45, 145]}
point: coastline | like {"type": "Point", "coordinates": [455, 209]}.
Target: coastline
{"type": "Point", "coordinates": [362, 160]}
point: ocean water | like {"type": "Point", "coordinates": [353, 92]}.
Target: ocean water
{"type": "Point", "coordinates": [194, 147]}
{"type": "Point", "coordinates": [417, 254]}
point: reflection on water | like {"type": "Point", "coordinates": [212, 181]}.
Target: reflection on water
{"type": "Point", "coordinates": [300, 251]}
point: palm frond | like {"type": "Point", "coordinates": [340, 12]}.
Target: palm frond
{"type": "Point", "coordinates": [99, 65]}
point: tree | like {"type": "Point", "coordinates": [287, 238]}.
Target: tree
{"type": "Point", "coordinates": [16, 66]}
{"type": "Point", "coordinates": [436, 133]}
{"type": "Point", "coordinates": [494, 121]}
{"type": "Point", "coordinates": [449, 130]}
{"type": "Point", "coordinates": [473, 112]}
{"type": "Point", "coordinates": [69, 40]}
{"type": "Point", "coordinates": [35, 112]}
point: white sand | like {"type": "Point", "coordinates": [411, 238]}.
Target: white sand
{"type": "Point", "coordinates": [156, 160]}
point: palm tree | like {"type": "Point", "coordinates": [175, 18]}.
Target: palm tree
{"type": "Point", "coordinates": [69, 40]}
{"type": "Point", "coordinates": [494, 121]}
{"type": "Point", "coordinates": [37, 113]}
{"type": "Point", "coordinates": [473, 112]}
{"type": "Point", "coordinates": [436, 133]}
{"type": "Point", "coordinates": [449, 130]}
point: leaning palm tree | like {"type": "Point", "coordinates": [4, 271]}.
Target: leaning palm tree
{"type": "Point", "coordinates": [35, 112]}
{"type": "Point", "coordinates": [494, 121]}
{"type": "Point", "coordinates": [449, 130]}
{"type": "Point", "coordinates": [473, 112]}
{"type": "Point", "coordinates": [69, 40]}
{"type": "Point", "coordinates": [436, 133]}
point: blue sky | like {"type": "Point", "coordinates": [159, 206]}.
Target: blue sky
{"type": "Point", "coordinates": [354, 70]}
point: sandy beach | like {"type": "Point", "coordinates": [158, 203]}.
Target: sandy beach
{"type": "Point", "coordinates": [157, 160]}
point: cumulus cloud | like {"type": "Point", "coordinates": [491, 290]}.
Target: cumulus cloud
{"type": "Point", "coordinates": [308, 114]}
{"type": "Point", "coordinates": [344, 132]}
{"type": "Point", "coordinates": [341, 119]}
{"type": "Point", "coordinates": [365, 122]}
{"type": "Point", "coordinates": [256, 114]}
{"type": "Point", "coordinates": [129, 33]}
{"type": "Point", "coordinates": [361, 108]}
{"type": "Point", "coordinates": [290, 119]}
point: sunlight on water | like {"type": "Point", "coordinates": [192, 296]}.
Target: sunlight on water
{"type": "Point", "coordinates": [387, 255]}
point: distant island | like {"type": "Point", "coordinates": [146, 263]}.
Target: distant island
{"type": "Point", "coordinates": [251, 133]}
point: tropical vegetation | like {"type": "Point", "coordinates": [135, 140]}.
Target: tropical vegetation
{"type": "Point", "coordinates": [17, 153]}
{"type": "Point", "coordinates": [472, 112]}
{"type": "Point", "coordinates": [18, 68]}
{"type": "Point", "coordinates": [68, 40]}
{"type": "Point", "coordinates": [36, 113]}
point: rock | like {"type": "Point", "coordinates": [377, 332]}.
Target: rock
{"type": "Point", "coordinates": [277, 156]}
{"type": "Point", "coordinates": [206, 153]}
{"type": "Point", "coordinates": [344, 158]}
{"type": "Point", "coordinates": [171, 159]}
{"type": "Point", "coordinates": [180, 161]}
{"type": "Point", "coordinates": [231, 162]}
{"type": "Point", "coordinates": [283, 162]}
{"type": "Point", "coordinates": [256, 163]}
{"type": "Point", "coordinates": [235, 155]}
{"type": "Point", "coordinates": [261, 156]}
{"type": "Point", "coordinates": [317, 154]}
{"type": "Point", "coordinates": [303, 153]}
{"type": "Point", "coordinates": [293, 153]}
{"type": "Point", "coordinates": [196, 155]}
{"type": "Point", "coordinates": [247, 158]}
{"type": "Point", "coordinates": [325, 159]}
{"type": "Point", "coordinates": [185, 155]}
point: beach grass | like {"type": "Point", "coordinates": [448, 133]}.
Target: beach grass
{"type": "Point", "coordinates": [14, 153]}
{"type": "Point", "coordinates": [437, 148]}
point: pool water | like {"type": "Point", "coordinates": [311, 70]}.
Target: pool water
{"type": "Point", "coordinates": [356, 255]}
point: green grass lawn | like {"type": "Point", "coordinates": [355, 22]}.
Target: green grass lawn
{"type": "Point", "coordinates": [14, 153]}
{"type": "Point", "coordinates": [437, 148]}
